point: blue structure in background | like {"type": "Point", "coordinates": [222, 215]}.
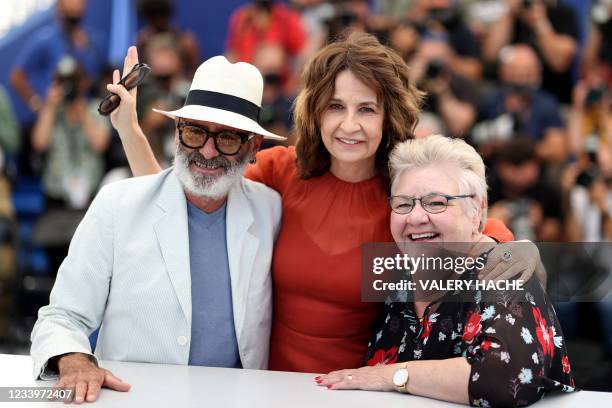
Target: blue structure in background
{"type": "Point", "coordinates": [123, 23]}
{"type": "Point", "coordinates": [116, 23]}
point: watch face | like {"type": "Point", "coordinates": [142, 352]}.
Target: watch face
{"type": "Point", "coordinates": [400, 377]}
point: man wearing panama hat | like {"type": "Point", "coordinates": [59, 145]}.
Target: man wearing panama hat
{"type": "Point", "coordinates": [173, 267]}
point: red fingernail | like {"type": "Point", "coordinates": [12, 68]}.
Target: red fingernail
{"type": "Point", "coordinates": [317, 378]}
{"type": "Point", "coordinates": [319, 381]}
{"type": "Point", "coordinates": [329, 387]}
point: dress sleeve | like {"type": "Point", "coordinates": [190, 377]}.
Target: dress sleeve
{"type": "Point", "coordinates": [274, 166]}
{"type": "Point", "coordinates": [516, 349]}
{"type": "Point", "coordinates": [498, 230]}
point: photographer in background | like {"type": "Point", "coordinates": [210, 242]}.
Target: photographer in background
{"type": "Point", "coordinates": [519, 197]}
{"type": "Point", "coordinates": [35, 65]}
{"type": "Point", "coordinates": [166, 87]}
{"type": "Point", "coordinates": [73, 137]}
{"type": "Point", "coordinates": [441, 22]}
{"type": "Point", "coordinates": [268, 22]}
{"type": "Point", "coordinates": [550, 29]}
{"type": "Point", "coordinates": [598, 49]}
{"type": "Point", "coordinates": [264, 21]}
{"type": "Point", "coordinates": [157, 15]}
{"type": "Point", "coordinates": [588, 182]}
{"type": "Point", "coordinates": [452, 97]}
{"type": "Point", "coordinates": [591, 113]}
{"type": "Point", "coordinates": [275, 104]}
{"type": "Point", "coordinates": [404, 38]}
{"type": "Point", "coordinates": [521, 107]}
{"type": "Point", "coordinates": [589, 189]}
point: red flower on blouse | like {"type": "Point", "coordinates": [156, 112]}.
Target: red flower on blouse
{"type": "Point", "coordinates": [472, 327]}
{"type": "Point", "coordinates": [426, 327]}
{"type": "Point", "coordinates": [544, 333]}
{"type": "Point", "coordinates": [566, 365]}
{"type": "Point", "coordinates": [384, 357]}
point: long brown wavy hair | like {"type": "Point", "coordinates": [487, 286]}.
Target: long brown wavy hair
{"type": "Point", "coordinates": [378, 67]}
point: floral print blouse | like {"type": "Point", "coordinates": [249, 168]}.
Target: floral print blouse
{"type": "Point", "coordinates": [514, 344]}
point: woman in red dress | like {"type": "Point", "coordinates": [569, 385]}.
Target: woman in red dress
{"type": "Point", "coordinates": [356, 104]}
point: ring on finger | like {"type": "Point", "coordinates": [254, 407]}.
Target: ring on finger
{"type": "Point", "coordinates": [507, 256]}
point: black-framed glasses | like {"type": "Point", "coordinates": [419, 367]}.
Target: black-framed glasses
{"type": "Point", "coordinates": [130, 81]}
{"type": "Point", "coordinates": [226, 141]}
{"type": "Point", "coordinates": [432, 203]}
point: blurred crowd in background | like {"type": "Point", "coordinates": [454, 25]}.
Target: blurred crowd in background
{"type": "Point", "coordinates": [527, 82]}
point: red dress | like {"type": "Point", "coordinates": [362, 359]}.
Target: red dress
{"type": "Point", "coordinates": [320, 323]}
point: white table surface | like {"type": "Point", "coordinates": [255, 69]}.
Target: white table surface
{"type": "Point", "coordinates": [160, 385]}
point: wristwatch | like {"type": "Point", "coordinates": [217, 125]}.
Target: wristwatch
{"type": "Point", "coordinates": [400, 378]}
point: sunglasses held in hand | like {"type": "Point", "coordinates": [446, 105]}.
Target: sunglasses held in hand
{"type": "Point", "coordinates": [129, 82]}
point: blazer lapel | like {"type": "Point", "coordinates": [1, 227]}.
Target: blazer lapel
{"type": "Point", "coordinates": [241, 249]}
{"type": "Point", "coordinates": [172, 234]}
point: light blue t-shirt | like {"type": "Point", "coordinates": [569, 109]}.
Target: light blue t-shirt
{"type": "Point", "coordinates": [213, 335]}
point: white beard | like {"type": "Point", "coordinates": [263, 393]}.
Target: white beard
{"type": "Point", "coordinates": [213, 188]}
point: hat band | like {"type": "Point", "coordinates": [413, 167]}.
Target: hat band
{"type": "Point", "coordinates": [225, 102]}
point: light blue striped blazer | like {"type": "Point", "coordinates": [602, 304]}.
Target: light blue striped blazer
{"type": "Point", "coordinates": [127, 270]}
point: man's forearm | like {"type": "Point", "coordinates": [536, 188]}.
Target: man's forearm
{"type": "Point", "coordinates": [574, 130]}
{"type": "Point", "coordinates": [498, 37]}
{"type": "Point", "coordinates": [25, 91]}
{"type": "Point", "coordinates": [43, 129]}
{"type": "Point", "coordinates": [556, 49]}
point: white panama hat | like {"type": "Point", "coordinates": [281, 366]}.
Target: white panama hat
{"type": "Point", "coordinates": [227, 94]}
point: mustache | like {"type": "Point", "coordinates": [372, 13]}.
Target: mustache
{"type": "Point", "coordinates": [218, 161]}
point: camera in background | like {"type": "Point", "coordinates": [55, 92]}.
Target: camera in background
{"type": "Point", "coordinates": [69, 77]}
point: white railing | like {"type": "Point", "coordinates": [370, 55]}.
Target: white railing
{"type": "Point", "coordinates": [15, 12]}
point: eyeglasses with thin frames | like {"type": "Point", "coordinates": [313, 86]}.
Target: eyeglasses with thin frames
{"type": "Point", "coordinates": [226, 141]}
{"type": "Point", "coordinates": [432, 203]}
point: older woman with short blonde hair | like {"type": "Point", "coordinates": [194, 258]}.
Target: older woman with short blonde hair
{"type": "Point", "coordinates": [439, 149]}
{"type": "Point", "coordinates": [505, 351]}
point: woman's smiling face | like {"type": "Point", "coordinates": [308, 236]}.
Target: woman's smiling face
{"type": "Point", "coordinates": [451, 225]}
{"type": "Point", "coordinates": [352, 124]}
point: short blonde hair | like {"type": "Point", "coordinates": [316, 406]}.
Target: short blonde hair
{"type": "Point", "coordinates": [443, 151]}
